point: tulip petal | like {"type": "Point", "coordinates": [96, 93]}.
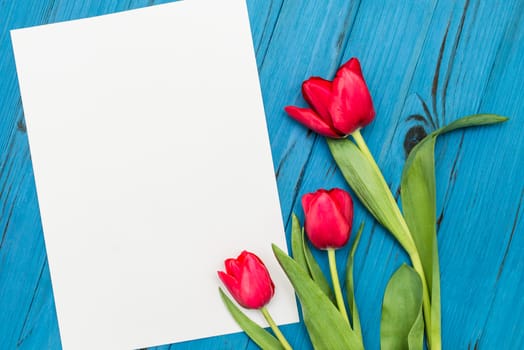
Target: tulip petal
{"type": "Point", "coordinates": [232, 284]}
{"type": "Point", "coordinates": [253, 259]}
{"type": "Point", "coordinates": [233, 267]}
{"type": "Point", "coordinates": [344, 203]}
{"type": "Point", "coordinates": [311, 120]}
{"type": "Point", "coordinates": [257, 288]}
{"type": "Point", "coordinates": [308, 198]}
{"type": "Point", "coordinates": [242, 257]}
{"type": "Point", "coordinates": [256, 267]}
{"type": "Point", "coordinates": [325, 225]}
{"type": "Point", "coordinates": [352, 106]}
{"type": "Point", "coordinates": [317, 92]}
{"type": "Point", "coordinates": [353, 64]}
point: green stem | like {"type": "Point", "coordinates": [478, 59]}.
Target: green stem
{"type": "Point", "coordinates": [359, 140]}
{"type": "Point", "coordinates": [436, 340]}
{"type": "Point", "coordinates": [434, 336]}
{"type": "Point", "coordinates": [336, 284]}
{"type": "Point", "coordinates": [275, 329]}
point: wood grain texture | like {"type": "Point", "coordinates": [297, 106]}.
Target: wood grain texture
{"type": "Point", "coordinates": [427, 62]}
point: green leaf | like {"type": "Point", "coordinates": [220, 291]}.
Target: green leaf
{"type": "Point", "coordinates": [259, 335]}
{"type": "Point", "coordinates": [419, 203]}
{"type": "Point", "coordinates": [369, 185]}
{"type": "Point", "coordinates": [297, 243]}
{"type": "Point", "coordinates": [350, 285]}
{"type": "Point", "coordinates": [303, 256]}
{"type": "Point", "coordinates": [327, 329]}
{"type": "Point", "coordinates": [316, 272]}
{"type": "Point", "coordinates": [402, 326]}
{"type": "Point", "coordinates": [418, 195]}
{"type": "Point", "coordinates": [473, 120]}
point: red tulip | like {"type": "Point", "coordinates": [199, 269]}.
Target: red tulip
{"type": "Point", "coordinates": [337, 108]}
{"type": "Point", "coordinates": [329, 217]}
{"type": "Point", "coordinates": [248, 280]}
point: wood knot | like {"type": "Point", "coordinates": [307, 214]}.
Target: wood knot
{"type": "Point", "coordinates": [413, 137]}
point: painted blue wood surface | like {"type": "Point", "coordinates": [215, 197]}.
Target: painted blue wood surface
{"type": "Point", "coordinates": [436, 59]}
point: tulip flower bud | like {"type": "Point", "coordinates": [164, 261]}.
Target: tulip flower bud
{"type": "Point", "coordinates": [329, 217]}
{"type": "Point", "coordinates": [248, 280]}
{"type": "Point", "coordinates": [338, 108]}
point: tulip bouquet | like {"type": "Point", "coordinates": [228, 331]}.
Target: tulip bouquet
{"type": "Point", "coordinates": [411, 304]}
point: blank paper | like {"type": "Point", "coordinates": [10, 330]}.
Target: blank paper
{"type": "Point", "coordinates": [152, 165]}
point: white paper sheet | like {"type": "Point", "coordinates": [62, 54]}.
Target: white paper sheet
{"type": "Point", "coordinates": [152, 165]}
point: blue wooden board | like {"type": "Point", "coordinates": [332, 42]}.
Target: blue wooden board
{"type": "Point", "coordinates": [438, 59]}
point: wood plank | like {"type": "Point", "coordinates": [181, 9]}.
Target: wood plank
{"type": "Point", "coordinates": [488, 192]}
